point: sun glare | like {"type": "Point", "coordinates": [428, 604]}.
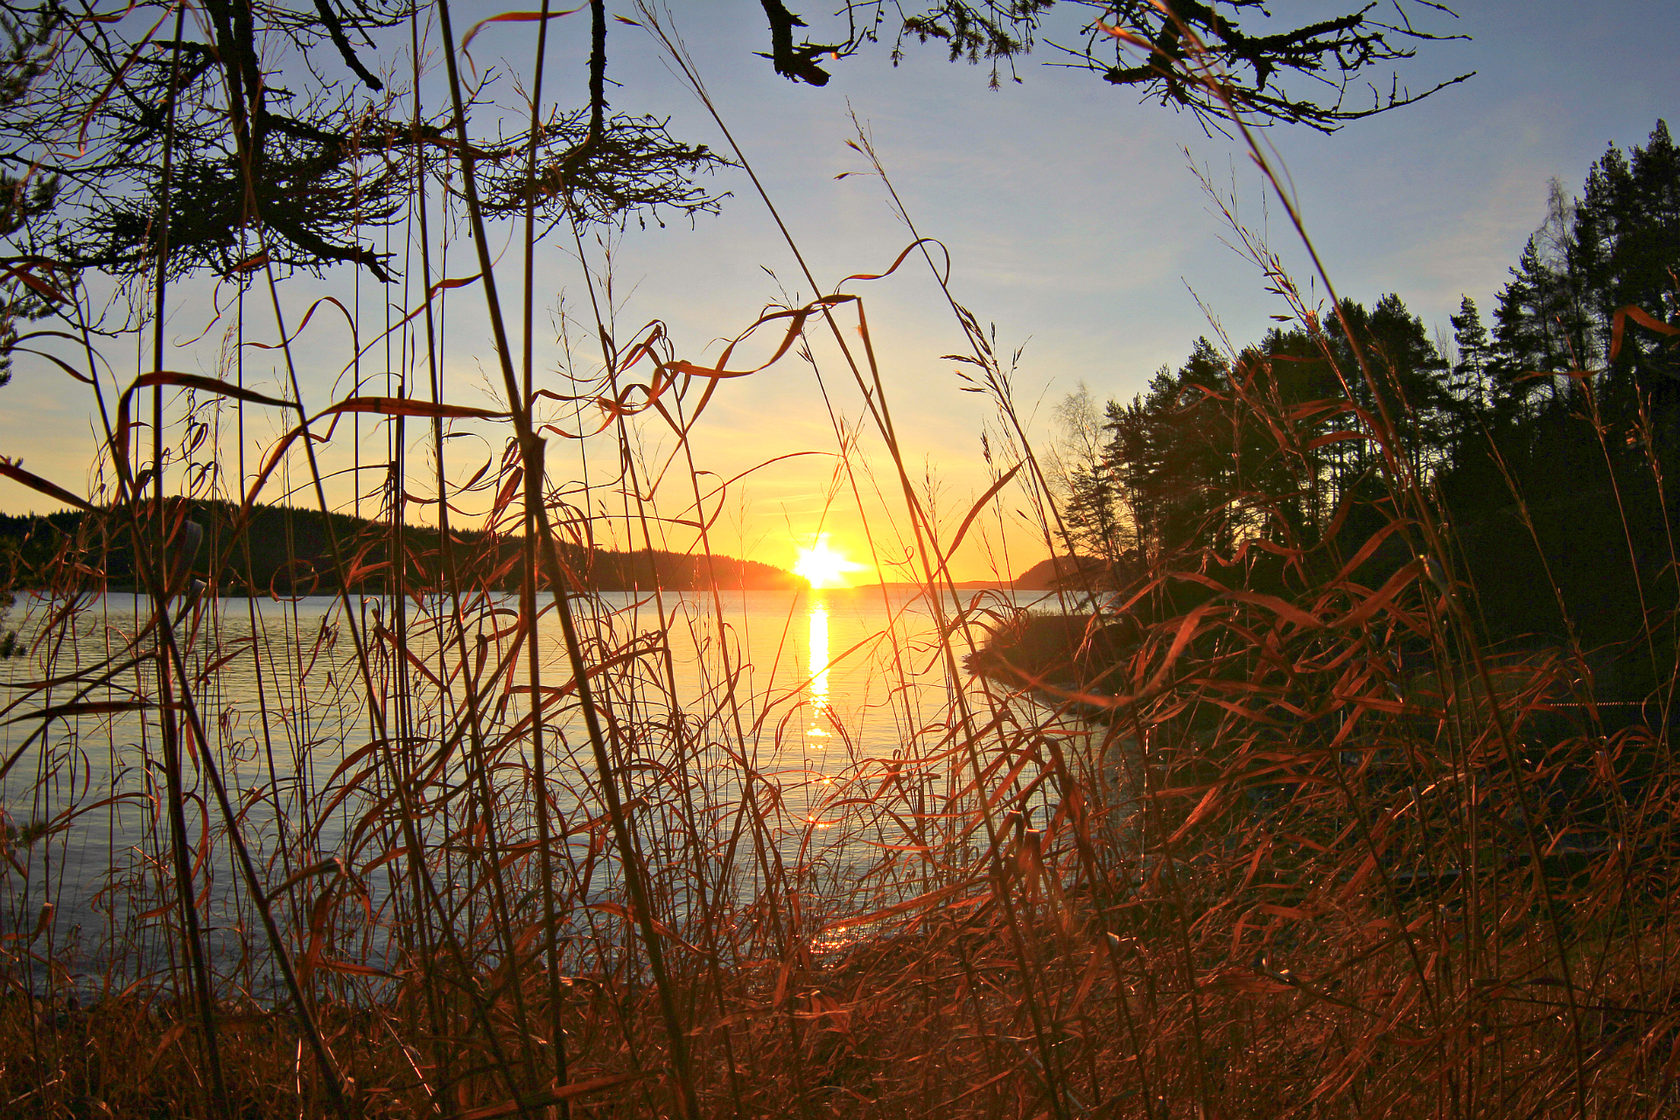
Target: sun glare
{"type": "Point", "coordinates": [822, 567]}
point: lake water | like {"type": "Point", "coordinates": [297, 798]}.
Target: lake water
{"type": "Point", "coordinates": [813, 741]}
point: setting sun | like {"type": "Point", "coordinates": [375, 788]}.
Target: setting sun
{"type": "Point", "coordinates": [822, 567]}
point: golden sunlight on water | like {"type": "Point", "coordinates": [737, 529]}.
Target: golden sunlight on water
{"type": "Point", "coordinates": [818, 687]}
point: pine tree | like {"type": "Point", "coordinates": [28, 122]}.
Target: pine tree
{"type": "Point", "coordinates": [25, 195]}
{"type": "Point", "coordinates": [1412, 377]}
{"type": "Point", "coordinates": [299, 162]}
{"type": "Point", "coordinates": [1631, 221]}
{"type": "Point", "coordinates": [1470, 374]}
{"type": "Point", "coordinates": [1128, 455]}
{"type": "Point", "coordinates": [1090, 514]}
{"type": "Point", "coordinates": [1523, 347]}
{"type": "Point", "coordinates": [1273, 71]}
{"type": "Point", "coordinates": [1181, 458]}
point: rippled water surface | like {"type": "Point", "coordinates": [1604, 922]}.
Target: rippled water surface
{"type": "Point", "coordinates": [750, 733]}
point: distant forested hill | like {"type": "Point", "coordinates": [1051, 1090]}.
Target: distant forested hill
{"type": "Point", "coordinates": [291, 551]}
{"type": "Point", "coordinates": [1070, 572]}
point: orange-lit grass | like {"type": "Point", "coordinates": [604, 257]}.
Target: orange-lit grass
{"type": "Point", "coordinates": [1286, 874]}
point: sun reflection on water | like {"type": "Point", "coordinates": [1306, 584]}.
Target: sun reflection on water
{"type": "Point", "coordinates": [818, 688]}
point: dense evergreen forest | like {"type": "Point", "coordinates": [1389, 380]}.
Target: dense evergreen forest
{"type": "Point", "coordinates": [284, 551]}
{"type": "Point", "coordinates": [1548, 437]}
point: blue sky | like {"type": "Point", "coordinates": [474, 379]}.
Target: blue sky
{"type": "Point", "coordinates": [1076, 226]}
{"type": "Point", "coordinates": [1073, 222]}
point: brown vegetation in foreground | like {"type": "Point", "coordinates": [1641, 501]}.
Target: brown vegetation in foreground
{"type": "Point", "coordinates": [1288, 836]}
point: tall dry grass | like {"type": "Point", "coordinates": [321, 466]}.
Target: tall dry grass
{"type": "Point", "coordinates": [1312, 852]}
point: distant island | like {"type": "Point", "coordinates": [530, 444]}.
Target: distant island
{"type": "Point", "coordinates": [284, 551]}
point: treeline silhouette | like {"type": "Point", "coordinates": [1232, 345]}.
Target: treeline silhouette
{"type": "Point", "coordinates": [277, 550]}
{"type": "Point", "coordinates": [1549, 439]}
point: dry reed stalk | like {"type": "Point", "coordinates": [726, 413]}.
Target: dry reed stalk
{"type": "Point", "coordinates": [1317, 858]}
